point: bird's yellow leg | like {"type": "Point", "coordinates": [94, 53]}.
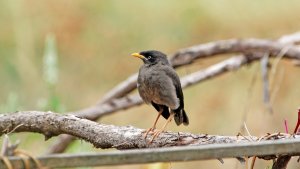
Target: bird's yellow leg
{"type": "Point", "coordinates": [154, 125]}
{"type": "Point", "coordinates": [163, 128]}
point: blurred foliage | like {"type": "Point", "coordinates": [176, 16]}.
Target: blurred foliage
{"type": "Point", "coordinates": [51, 74]}
{"type": "Point", "coordinates": [50, 61]}
{"type": "Point", "coordinates": [63, 55]}
{"type": "Point", "coordinates": [12, 103]}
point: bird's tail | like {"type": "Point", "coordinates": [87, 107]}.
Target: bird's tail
{"type": "Point", "coordinates": [181, 117]}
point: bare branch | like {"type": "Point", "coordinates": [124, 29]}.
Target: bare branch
{"type": "Point", "coordinates": [246, 46]}
{"type": "Point", "coordinates": [180, 59]}
{"type": "Point", "coordinates": [281, 162]}
{"type": "Point", "coordinates": [95, 112]}
{"type": "Point", "coordinates": [127, 137]}
{"type": "Point", "coordinates": [290, 39]}
{"type": "Point", "coordinates": [109, 136]}
{"type": "Point", "coordinates": [100, 135]}
{"type": "Point", "coordinates": [121, 89]}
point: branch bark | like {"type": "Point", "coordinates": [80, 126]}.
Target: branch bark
{"type": "Point", "coordinates": [281, 162]}
{"type": "Point", "coordinates": [110, 136]}
{"type": "Point", "coordinates": [244, 46]}
{"type": "Point", "coordinates": [111, 103]}
{"type": "Point", "coordinates": [100, 135]}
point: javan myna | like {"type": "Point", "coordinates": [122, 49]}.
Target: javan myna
{"type": "Point", "coordinates": [159, 84]}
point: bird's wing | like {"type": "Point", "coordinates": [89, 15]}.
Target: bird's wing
{"type": "Point", "coordinates": [176, 82]}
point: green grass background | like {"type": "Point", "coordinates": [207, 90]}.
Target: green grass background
{"type": "Point", "coordinates": [93, 41]}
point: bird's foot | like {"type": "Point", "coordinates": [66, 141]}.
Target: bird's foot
{"type": "Point", "coordinates": [156, 134]}
{"type": "Point", "coordinates": [150, 130]}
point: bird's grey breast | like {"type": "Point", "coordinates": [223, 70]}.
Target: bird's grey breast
{"type": "Point", "coordinates": [155, 85]}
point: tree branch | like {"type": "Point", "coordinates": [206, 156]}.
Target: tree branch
{"type": "Point", "coordinates": [179, 59]}
{"type": "Point", "coordinates": [100, 135]}
{"type": "Point", "coordinates": [245, 46]}
{"type": "Point", "coordinates": [120, 90]}
{"type": "Point", "coordinates": [196, 52]}
{"type": "Point", "coordinates": [110, 136]}
{"type": "Point", "coordinates": [281, 162]}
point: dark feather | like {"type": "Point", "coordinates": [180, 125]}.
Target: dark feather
{"type": "Point", "coordinates": [180, 114]}
{"type": "Point", "coordinates": [177, 84]}
{"type": "Point", "coordinates": [165, 113]}
{"type": "Point", "coordinates": [180, 117]}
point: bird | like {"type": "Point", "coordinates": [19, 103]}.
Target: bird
{"type": "Point", "coordinates": [159, 85]}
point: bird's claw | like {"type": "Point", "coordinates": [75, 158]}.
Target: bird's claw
{"type": "Point", "coordinates": [150, 130]}
{"type": "Point", "coordinates": [156, 134]}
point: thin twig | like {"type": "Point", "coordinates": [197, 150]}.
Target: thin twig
{"type": "Point", "coordinates": [265, 80]}
{"type": "Point", "coordinates": [248, 97]}
{"type": "Point", "coordinates": [277, 86]}
{"type": "Point", "coordinates": [253, 162]}
{"type": "Point", "coordinates": [250, 136]}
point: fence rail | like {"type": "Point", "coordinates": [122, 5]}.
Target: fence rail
{"type": "Point", "coordinates": [186, 153]}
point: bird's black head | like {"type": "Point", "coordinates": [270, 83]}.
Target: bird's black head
{"type": "Point", "coordinates": [151, 57]}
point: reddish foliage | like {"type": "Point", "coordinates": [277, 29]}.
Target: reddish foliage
{"type": "Point", "coordinates": [298, 122]}
{"type": "Point", "coordinates": [286, 126]}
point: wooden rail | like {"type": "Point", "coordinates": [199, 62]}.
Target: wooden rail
{"type": "Point", "coordinates": [184, 153]}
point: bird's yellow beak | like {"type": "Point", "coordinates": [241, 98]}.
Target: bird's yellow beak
{"type": "Point", "coordinates": [138, 55]}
